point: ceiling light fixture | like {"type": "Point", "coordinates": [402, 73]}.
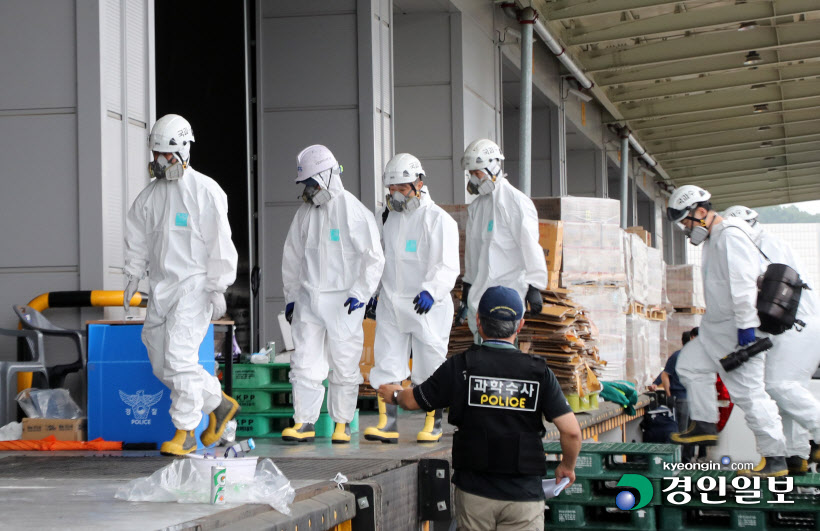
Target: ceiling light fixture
{"type": "Point", "coordinates": [746, 26]}
{"type": "Point", "coordinates": [764, 128]}
{"type": "Point", "coordinates": [757, 86]}
{"type": "Point", "coordinates": [761, 108]}
{"type": "Point", "coordinates": [752, 58]}
{"type": "Point", "coordinates": [766, 144]}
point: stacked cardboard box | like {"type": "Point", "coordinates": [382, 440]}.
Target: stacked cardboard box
{"type": "Point", "coordinates": [655, 277]}
{"type": "Point", "coordinates": [684, 286]}
{"type": "Point", "coordinates": [593, 246]}
{"type": "Point", "coordinates": [551, 238]}
{"type": "Point", "coordinates": [637, 269]}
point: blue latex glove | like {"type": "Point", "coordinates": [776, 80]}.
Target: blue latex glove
{"type": "Point", "coordinates": [353, 304]}
{"type": "Point", "coordinates": [745, 336]}
{"type": "Point", "coordinates": [423, 302]}
{"type": "Point", "coordinates": [370, 310]}
{"type": "Point", "coordinates": [289, 312]}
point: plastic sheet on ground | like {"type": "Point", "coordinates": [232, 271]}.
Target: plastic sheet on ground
{"type": "Point", "coordinates": [181, 482]}
{"type": "Point", "coordinates": [48, 404]}
{"type": "Point", "coordinates": [12, 431]}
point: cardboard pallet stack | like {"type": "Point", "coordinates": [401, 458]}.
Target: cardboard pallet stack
{"type": "Point", "coordinates": [564, 335]}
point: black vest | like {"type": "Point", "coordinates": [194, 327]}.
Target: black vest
{"type": "Point", "coordinates": [500, 427]}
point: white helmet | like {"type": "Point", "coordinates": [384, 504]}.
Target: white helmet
{"type": "Point", "coordinates": [742, 212]}
{"type": "Point", "coordinates": [314, 160]}
{"type": "Point", "coordinates": [172, 134]}
{"type": "Point", "coordinates": [403, 168]}
{"type": "Point", "coordinates": [479, 154]}
{"type": "Point", "coordinates": [683, 200]}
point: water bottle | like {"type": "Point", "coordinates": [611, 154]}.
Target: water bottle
{"type": "Point", "coordinates": [229, 435]}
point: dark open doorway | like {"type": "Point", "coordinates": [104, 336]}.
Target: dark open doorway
{"type": "Point", "coordinates": [200, 74]}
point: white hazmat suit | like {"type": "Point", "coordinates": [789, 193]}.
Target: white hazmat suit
{"type": "Point", "coordinates": [332, 252]}
{"type": "Point", "coordinates": [421, 254]}
{"type": "Point", "coordinates": [502, 247]}
{"type": "Point", "coordinates": [791, 363]}
{"type": "Point", "coordinates": [731, 266]}
{"type": "Point", "coordinates": [178, 230]}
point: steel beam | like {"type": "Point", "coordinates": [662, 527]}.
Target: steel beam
{"type": "Point", "coordinates": [743, 79]}
{"type": "Point", "coordinates": [566, 9]}
{"type": "Point", "coordinates": [751, 122]}
{"type": "Point", "coordinates": [721, 114]}
{"type": "Point", "coordinates": [702, 46]}
{"type": "Point", "coordinates": [722, 100]}
{"type": "Point", "coordinates": [696, 19]}
{"type": "Point", "coordinates": [735, 138]}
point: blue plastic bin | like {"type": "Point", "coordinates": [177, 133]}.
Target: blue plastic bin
{"type": "Point", "coordinates": [126, 402]}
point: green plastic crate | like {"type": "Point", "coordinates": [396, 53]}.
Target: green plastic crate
{"type": "Point", "coordinates": [577, 516]}
{"type": "Point", "coordinates": [275, 398]}
{"type": "Point", "coordinates": [639, 458]}
{"type": "Point", "coordinates": [254, 376]}
{"type": "Point", "coordinates": [262, 425]}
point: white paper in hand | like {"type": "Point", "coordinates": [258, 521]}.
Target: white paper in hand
{"type": "Point", "coordinates": [553, 489]}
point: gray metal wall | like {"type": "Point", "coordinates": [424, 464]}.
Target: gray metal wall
{"type": "Point", "coordinates": [324, 73]}
{"type": "Point", "coordinates": [426, 48]}
{"type": "Point", "coordinates": [74, 102]}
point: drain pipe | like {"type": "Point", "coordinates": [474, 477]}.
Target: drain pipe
{"type": "Point", "coordinates": [624, 134]}
{"type": "Point", "coordinates": [642, 152]}
{"type": "Point", "coordinates": [559, 51]}
{"type": "Point", "coordinates": [526, 18]}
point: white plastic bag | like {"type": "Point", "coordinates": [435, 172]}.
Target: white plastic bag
{"type": "Point", "coordinates": [181, 482]}
{"type": "Point", "coordinates": [13, 431]}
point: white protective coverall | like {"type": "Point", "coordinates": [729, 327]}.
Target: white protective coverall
{"type": "Point", "coordinates": [731, 265]}
{"type": "Point", "coordinates": [421, 254]}
{"type": "Point", "coordinates": [793, 360]}
{"type": "Point", "coordinates": [178, 230]}
{"type": "Point", "coordinates": [502, 247]}
{"type": "Point", "coordinates": [331, 253]}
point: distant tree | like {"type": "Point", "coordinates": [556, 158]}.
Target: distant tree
{"type": "Point", "coordinates": [789, 214]}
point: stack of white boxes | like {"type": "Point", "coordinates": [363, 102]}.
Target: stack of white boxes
{"type": "Point", "coordinates": [593, 269]}
{"type": "Point", "coordinates": [684, 288]}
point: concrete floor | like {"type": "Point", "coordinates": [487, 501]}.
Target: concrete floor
{"type": "Point", "coordinates": [40, 490]}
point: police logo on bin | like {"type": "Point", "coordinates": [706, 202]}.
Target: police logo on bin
{"type": "Point", "coordinates": [140, 405]}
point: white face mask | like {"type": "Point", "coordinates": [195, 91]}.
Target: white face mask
{"type": "Point", "coordinates": [697, 235]}
{"type": "Point", "coordinates": [398, 202]}
{"type": "Point", "coordinates": [162, 168]}
{"type": "Point", "coordinates": [477, 186]}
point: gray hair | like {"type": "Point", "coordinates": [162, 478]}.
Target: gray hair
{"type": "Point", "coordinates": [497, 329]}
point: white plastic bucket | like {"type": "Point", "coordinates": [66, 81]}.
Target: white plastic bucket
{"type": "Point", "coordinates": [238, 469]}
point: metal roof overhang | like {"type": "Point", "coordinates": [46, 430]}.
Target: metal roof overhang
{"type": "Point", "coordinates": [676, 73]}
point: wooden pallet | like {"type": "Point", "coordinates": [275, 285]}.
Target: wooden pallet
{"type": "Point", "coordinates": [656, 314]}
{"type": "Point", "coordinates": [636, 307]}
{"type": "Point", "coordinates": [691, 310]}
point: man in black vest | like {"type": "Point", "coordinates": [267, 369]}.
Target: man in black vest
{"type": "Point", "coordinates": [497, 396]}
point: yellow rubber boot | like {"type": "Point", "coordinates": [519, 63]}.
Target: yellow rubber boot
{"type": "Point", "coordinates": [300, 432]}
{"type": "Point", "coordinates": [768, 467]}
{"type": "Point", "coordinates": [797, 465]}
{"type": "Point", "coordinates": [431, 432]}
{"type": "Point", "coordinates": [341, 435]}
{"type": "Point", "coordinates": [386, 430]}
{"type": "Point", "coordinates": [218, 418]}
{"type": "Point", "coordinates": [184, 442]}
